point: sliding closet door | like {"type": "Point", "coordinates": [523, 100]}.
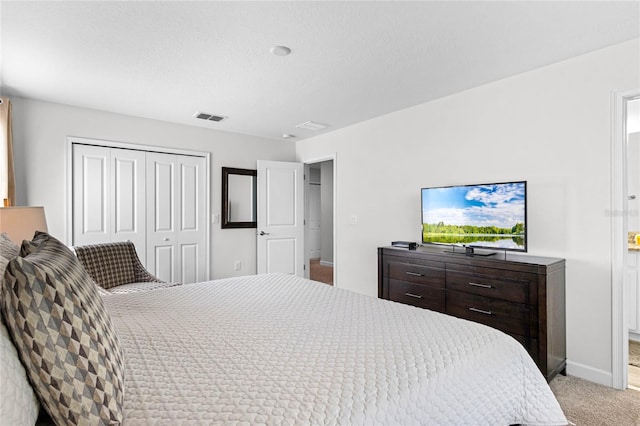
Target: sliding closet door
{"type": "Point", "coordinates": [192, 228]}
{"type": "Point", "coordinates": [108, 196]}
{"type": "Point", "coordinates": [176, 228]}
{"type": "Point", "coordinates": [159, 201]}
{"type": "Point", "coordinates": [91, 199]}
{"type": "Point", "coordinates": [162, 209]}
{"type": "Point", "coordinates": [128, 195]}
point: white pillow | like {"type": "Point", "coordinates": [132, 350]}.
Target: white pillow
{"type": "Point", "coordinates": [18, 403]}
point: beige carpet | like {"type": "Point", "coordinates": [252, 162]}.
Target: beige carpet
{"type": "Point", "coordinates": [589, 404]}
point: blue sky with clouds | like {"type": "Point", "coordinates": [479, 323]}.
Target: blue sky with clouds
{"type": "Point", "coordinates": [501, 205]}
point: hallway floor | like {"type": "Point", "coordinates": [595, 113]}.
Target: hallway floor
{"type": "Point", "coordinates": [319, 272]}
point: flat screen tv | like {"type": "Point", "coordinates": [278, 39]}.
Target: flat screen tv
{"type": "Point", "coordinates": [490, 216]}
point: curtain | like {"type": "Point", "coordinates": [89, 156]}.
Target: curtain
{"type": "Point", "coordinates": [7, 173]}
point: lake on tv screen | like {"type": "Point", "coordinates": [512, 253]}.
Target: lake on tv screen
{"type": "Point", "coordinates": [482, 215]}
{"type": "Point", "coordinates": [494, 241]}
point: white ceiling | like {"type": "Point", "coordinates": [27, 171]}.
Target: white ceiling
{"type": "Point", "coordinates": [350, 61]}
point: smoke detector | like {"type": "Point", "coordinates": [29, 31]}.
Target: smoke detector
{"type": "Point", "coordinates": [280, 50]}
{"type": "Point", "coordinates": [209, 117]}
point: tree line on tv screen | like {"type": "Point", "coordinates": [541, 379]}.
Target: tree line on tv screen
{"type": "Point", "coordinates": [442, 229]}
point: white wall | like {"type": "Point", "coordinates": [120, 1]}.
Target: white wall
{"type": "Point", "coordinates": [551, 127]}
{"type": "Point", "coordinates": [40, 130]}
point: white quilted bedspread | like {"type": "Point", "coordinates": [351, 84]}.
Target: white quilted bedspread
{"type": "Point", "coordinates": [278, 349]}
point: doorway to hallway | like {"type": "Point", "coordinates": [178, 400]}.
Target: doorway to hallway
{"type": "Point", "coordinates": [319, 227]}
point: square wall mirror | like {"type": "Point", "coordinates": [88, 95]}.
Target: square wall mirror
{"type": "Point", "coordinates": [239, 198]}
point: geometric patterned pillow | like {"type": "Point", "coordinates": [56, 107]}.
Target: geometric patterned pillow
{"type": "Point", "coordinates": [8, 248]}
{"type": "Point", "coordinates": [4, 261]}
{"type": "Point", "coordinates": [63, 335]}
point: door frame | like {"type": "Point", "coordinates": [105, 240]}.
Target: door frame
{"type": "Point", "coordinates": [71, 140]}
{"type": "Point", "coordinates": [307, 162]}
{"type": "Point", "coordinates": [307, 214]}
{"type": "Point", "coordinates": [619, 194]}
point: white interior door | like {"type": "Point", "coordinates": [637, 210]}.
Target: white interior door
{"type": "Point", "coordinates": [162, 216]}
{"type": "Point", "coordinates": [128, 197]}
{"type": "Point", "coordinates": [159, 201]}
{"type": "Point", "coordinates": [176, 227]}
{"type": "Point", "coordinates": [192, 230]}
{"type": "Point", "coordinates": [108, 196]}
{"type": "Point", "coordinates": [91, 195]}
{"type": "Point", "coordinates": [280, 217]}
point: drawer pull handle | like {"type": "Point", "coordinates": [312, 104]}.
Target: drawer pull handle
{"type": "Point", "coordinates": [415, 274]}
{"type": "Point", "coordinates": [480, 285]}
{"type": "Point", "coordinates": [481, 311]}
{"type": "Point", "coordinates": [416, 296]}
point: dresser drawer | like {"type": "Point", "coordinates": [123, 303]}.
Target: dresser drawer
{"type": "Point", "coordinates": [512, 318]}
{"type": "Point", "coordinates": [489, 286]}
{"type": "Point", "coordinates": [418, 274]}
{"type": "Point", "coordinates": [521, 295]}
{"type": "Point", "coordinates": [418, 295]}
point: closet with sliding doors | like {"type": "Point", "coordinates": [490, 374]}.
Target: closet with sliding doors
{"type": "Point", "coordinates": [158, 200]}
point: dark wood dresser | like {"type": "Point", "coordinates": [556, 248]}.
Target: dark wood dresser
{"type": "Point", "coordinates": [521, 295]}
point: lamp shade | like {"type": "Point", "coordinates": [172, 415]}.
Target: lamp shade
{"type": "Point", "coordinates": [20, 223]}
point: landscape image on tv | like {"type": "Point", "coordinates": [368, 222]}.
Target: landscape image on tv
{"type": "Point", "coordinates": [490, 216]}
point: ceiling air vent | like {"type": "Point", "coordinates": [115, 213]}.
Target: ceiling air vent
{"type": "Point", "coordinates": [311, 125]}
{"type": "Point", "coordinates": [209, 117]}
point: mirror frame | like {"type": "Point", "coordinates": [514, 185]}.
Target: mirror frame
{"type": "Point", "coordinates": [225, 223]}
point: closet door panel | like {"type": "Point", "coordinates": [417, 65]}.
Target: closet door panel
{"type": "Point", "coordinates": [128, 194]}
{"type": "Point", "coordinates": [190, 263]}
{"type": "Point", "coordinates": [164, 258]}
{"type": "Point", "coordinates": [125, 220]}
{"type": "Point", "coordinates": [192, 234]}
{"type": "Point", "coordinates": [189, 197]}
{"type": "Point", "coordinates": [91, 194]}
{"type": "Point", "coordinates": [162, 212]}
{"type": "Point", "coordinates": [165, 196]}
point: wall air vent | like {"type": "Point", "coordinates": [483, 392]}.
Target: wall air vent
{"type": "Point", "coordinates": [311, 125]}
{"type": "Point", "coordinates": [209, 117]}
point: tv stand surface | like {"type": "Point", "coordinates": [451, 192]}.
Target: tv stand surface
{"type": "Point", "coordinates": [522, 295]}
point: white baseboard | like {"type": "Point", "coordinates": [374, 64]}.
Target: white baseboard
{"type": "Point", "coordinates": [634, 336]}
{"type": "Point", "coordinates": [325, 263]}
{"type": "Point", "coordinates": [589, 373]}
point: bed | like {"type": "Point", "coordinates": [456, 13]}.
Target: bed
{"type": "Point", "coordinates": [280, 349]}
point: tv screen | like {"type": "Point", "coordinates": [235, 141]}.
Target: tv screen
{"type": "Point", "coordinates": [492, 216]}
